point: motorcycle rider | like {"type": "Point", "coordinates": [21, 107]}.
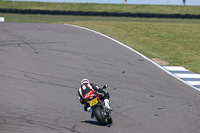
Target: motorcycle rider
{"type": "Point", "coordinates": [88, 88]}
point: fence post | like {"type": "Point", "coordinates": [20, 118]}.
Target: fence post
{"type": "Point", "coordinates": [184, 2]}
{"type": "Point", "coordinates": [125, 1]}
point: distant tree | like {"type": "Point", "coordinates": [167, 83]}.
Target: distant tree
{"type": "Point", "coordinates": [184, 2]}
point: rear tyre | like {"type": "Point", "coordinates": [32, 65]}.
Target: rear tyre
{"type": "Point", "coordinates": [99, 115]}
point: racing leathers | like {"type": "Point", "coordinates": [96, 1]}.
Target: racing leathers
{"type": "Point", "coordinates": [87, 89]}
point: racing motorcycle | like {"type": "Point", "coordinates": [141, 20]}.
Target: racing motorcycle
{"type": "Point", "coordinates": [102, 114]}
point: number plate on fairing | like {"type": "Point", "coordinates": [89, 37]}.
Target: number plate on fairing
{"type": "Point", "coordinates": [93, 102]}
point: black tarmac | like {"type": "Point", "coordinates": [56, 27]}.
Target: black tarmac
{"type": "Point", "coordinates": [41, 66]}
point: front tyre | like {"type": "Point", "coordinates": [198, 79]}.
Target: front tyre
{"type": "Point", "coordinates": [98, 111]}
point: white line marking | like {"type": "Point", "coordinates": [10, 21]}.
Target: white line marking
{"type": "Point", "coordinates": [194, 82]}
{"type": "Point", "coordinates": [188, 75]}
{"type": "Point", "coordinates": [175, 68]}
{"type": "Point", "coordinates": [135, 52]}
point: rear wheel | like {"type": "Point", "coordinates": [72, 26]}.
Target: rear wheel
{"type": "Point", "coordinates": [99, 115]}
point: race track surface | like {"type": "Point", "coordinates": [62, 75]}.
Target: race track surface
{"type": "Point", "coordinates": [41, 66]}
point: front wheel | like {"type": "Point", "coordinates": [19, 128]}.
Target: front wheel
{"type": "Point", "coordinates": [99, 115]}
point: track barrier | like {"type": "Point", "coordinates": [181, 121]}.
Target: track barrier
{"type": "Point", "coordinates": [103, 14]}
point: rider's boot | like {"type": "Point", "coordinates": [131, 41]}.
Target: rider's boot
{"type": "Point", "coordinates": [106, 101]}
{"type": "Point", "coordinates": [89, 109]}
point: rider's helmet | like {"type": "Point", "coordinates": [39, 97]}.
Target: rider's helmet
{"type": "Point", "coordinates": [85, 81]}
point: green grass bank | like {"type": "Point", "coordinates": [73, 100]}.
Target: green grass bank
{"type": "Point", "coordinates": [121, 8]}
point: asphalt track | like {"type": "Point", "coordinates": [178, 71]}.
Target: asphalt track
{"type": "Point", "coordinates": [41, 66]}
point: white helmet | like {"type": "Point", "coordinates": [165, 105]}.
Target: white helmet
{"type": "Point", "coordinates": [85, 81]}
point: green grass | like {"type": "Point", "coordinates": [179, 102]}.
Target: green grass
{"type": "Point", "coordinates": [174, 40]}
{"type": "Point", "coordinates": [102, 7]}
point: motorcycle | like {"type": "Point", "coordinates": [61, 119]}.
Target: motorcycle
{"type": "Point", "coordinates": [98, 110]}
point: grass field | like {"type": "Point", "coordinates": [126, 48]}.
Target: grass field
{"type": "Point", "coordinates": [176, 41]}
{"type": "Point", "coordinates": [102, 7]}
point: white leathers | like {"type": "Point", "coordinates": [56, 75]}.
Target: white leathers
{"type": "Point", "coordinates": [107, 105]}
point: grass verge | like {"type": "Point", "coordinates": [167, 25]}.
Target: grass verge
{"type": "Point", "coordinates": [121, 8]}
